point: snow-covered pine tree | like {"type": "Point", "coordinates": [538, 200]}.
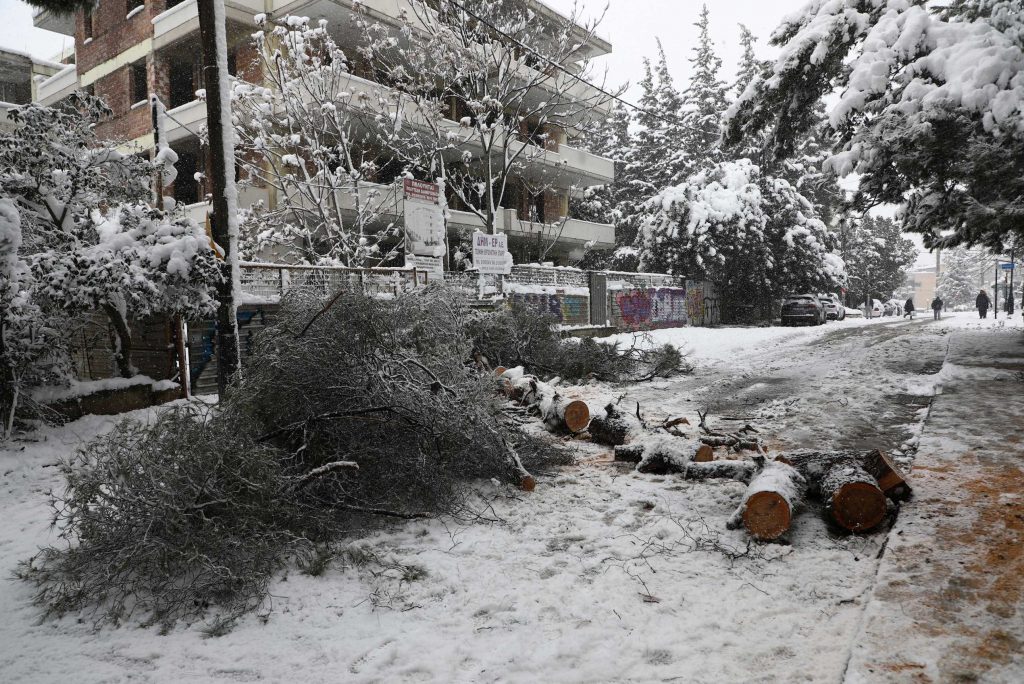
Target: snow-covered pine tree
{"type": "Point", "coordinates": [754, 235]}
{"type": "Point", "coordinates": [704, 100]}
{"type": "Point", "coordinates": [130, 261]}
{"type": "Point", "coordinates": [958, 278]}
{"type": "Point", "coordinates": [749, 66]}
{"type": "Point", "coordinates": [877, 256]}
{"type": "Point", "coordinates": [939, 132]}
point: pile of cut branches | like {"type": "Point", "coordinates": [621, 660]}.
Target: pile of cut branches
{"type": "Point", "coordinates": [349, 411]}
{"type": "Point", "coordinates": [519, 336]}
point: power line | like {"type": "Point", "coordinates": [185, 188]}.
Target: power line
{"type": "Point", "coordinates": [638, 108]}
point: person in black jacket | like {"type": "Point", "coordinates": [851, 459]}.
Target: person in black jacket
{"type": "Point", "coordinates": [982, 303]}
{"type": "Point", "coordinates": [937, 307]}
{"type": "Point", "coordinates": [908, 308]}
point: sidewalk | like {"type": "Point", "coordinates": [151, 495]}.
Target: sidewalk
{"type": "Point", "coordinates": [948, 602]}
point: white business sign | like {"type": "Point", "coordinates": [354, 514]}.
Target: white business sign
{"type": "Point", "coordinates": [424, 219]}
{"type": "Point", "coordinates": [490, 253]}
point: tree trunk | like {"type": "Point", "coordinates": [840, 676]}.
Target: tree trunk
{"type": "Point", "coordinates": [852, 497]}
{"type": "Point", "coordinates": [218, 121]}
{"type": "Point", "coordinates": [772, 497]}
{"type": "Point", "coordinates": [122, 341]}
{"type": "Point", "coordinates": [556, 411]}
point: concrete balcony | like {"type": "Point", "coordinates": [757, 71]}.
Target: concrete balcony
{"type": "Point", "coordinates": [185, 121]}
{"type": "Point", "coordinates": [55, 88]}
{"type": "Point", "coordinates": [182, 20]}
{"type": "Point", "coordinates": [49, 20]}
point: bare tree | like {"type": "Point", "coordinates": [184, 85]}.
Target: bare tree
{"type": "Point", "coordinates": [302, 134]}
{"type": "Point", "coordinates": [480, 93]}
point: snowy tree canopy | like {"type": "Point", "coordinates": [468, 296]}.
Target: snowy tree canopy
{"type": "Point", "coordinates": [87, 240]}
{"type": "Point", "coordinates": [959, 276]}
{"type": "Point", "coordinates": [930, 108]}
{"type": "Point", "coordinates": [877, 256]}
{"type": "Point", "coordinates": [753, 234]}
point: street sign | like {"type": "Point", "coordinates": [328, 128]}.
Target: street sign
{"type": "Point", "coordinates": [490, 253]}
{"type": "Point", "coordinates": [1008, 266]}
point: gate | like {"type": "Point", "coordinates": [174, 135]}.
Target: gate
{"type": "Point", "coordinates": [598, 299]}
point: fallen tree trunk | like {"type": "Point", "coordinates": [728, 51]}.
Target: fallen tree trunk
{"type": "Point", "coordinates": [772, 496]}
{"type": "Point", "coordinates": [615, 427]}
{"type": "Point", "coordinates": [852, 497]}
{"type": "Point", "coordinates": [556, 411]}
{"type": "Point", "coordinates": [660, 454]}
{"type": "Point", "coordinates": [742, 471]}
{"type": "Point", "coordinates": [733, 441]}
{"type": "Point", "coordinates": [814, 464]}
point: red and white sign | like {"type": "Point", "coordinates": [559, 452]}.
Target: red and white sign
{"type": "Point", "coordinates": [490, 253]}
{"type": "Point", "coordinates": [422, 191]}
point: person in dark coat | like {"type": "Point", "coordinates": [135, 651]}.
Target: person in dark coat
{"type": "Point", "coordinates": [982, 303]}
{"type": "Point", "coordinates": [937, 307]}
{"type": "Point", "coordinates": [908, 308]}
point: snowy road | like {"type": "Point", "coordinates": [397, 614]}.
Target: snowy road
{"type": "Point", "coordinates": [600, 575]}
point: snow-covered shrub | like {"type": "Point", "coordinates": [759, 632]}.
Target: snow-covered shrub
{"type": "Point", "coordinates": [86, 236]}
{"type": "Point", "coordinates": [518, 335]}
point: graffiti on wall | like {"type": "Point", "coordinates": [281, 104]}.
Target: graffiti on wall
{"type": "Point", "coordinates": [701, 303]}
{"type": "Point", "coordinates": [663, 307]}
{"type": "Point", "coordinates": [568, 309]}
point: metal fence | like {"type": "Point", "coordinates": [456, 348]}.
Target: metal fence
{"type": "Point", "coordinates": [271, 281]}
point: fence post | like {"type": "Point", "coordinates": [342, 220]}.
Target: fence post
{"type": "Point", "coordinates": [284, 279]}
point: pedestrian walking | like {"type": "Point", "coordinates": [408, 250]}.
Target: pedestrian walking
{"type": "Point", "coordinates": [937, 307]}
{"type": "Point", "coordinates": [908, 308]}
{"type": "Point", "coordinates": [982, 302]}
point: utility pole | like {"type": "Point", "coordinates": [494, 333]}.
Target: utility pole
{"type": "Point", "coordinates": [213, 36]}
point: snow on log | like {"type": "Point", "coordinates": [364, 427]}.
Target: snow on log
{"type": "Point", "coordinates": [813, 465]}
{"type": "Point", "coordinates": [615, 427]}
{"type": "Point", "coordinates": [742, 471]}
{"type": "Point", "coordinates": [557, 411]}
{"type": "Point", "coordinates": [629, 453]}
{"type": "Point", "coordinates": [852, 497]}
{"type": "Point", "coordinates": [660, 454]}
{"type": "Point", "coordinates": [733, 441]}
{"type": "Point", "coordinates": [772, 497]}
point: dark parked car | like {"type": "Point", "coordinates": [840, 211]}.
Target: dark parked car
{"type": "Point", "coordinates": [806, 309]}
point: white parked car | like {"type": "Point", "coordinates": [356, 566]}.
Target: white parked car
{"type": "Point", "coordinates": [854, 313]}
{"type": "Point", "coordinates": [834, 309]}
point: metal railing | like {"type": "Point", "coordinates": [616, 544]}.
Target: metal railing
{"type": "Point", "coordinates": [269, 282]}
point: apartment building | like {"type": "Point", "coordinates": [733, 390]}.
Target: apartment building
{"type": "Point", "coordinates": [19, 75]}
{"type": "Point", "coordinates": [126, 49]}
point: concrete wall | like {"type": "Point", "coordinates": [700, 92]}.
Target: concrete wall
{"type": "Point", "coordinates": [664, 307]}
{"type": "Point", "coordinates": [569, 309]}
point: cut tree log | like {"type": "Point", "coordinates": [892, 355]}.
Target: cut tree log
{"type": "Point", "coordinates": [852, 497]}
{"type": "Point", "coordinates": [890, 478]}
{"type": "Point", "coordinates": [557, 411]}
{"type": "Point", "coordinates": [814, 464]}
{"type": "Point", "coordinates": [660, 454]}
{"type": "Point", "coordinates": [615, 427]}
{"type": "Point", "coordinates": [741, 471]}
{"type": "Point", "coordinates": [771, 499]}
{"type": "Point", "coordinates": [733, 441]}
{"type": "Point", "coordinates": [704, 454]}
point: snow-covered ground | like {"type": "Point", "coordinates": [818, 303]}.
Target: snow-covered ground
{"type": "Point", "coordinates": [601, 574]}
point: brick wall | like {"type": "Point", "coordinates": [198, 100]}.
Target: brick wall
{"type": "Point", "coordinates": [112, 33]}
{"type": "Point", "coordinates": [127, 123]}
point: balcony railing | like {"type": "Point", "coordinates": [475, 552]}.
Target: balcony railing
{"type": "Point", "coordinates": [267, 283]}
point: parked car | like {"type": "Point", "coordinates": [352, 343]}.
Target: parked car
{"type": "Point", "coordinates": [854, 313]}
{"type": "Point", "coordinates": [805, 308]}
{"type": "Point", "coordinates": [834, 309]}
{"type": "Point", "coordinates": [875, 311]}
{"type": "Point", "coordinates": [892, 308]}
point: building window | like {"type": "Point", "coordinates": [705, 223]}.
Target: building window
{"type": "Point", "coordinates": [183, 84]}
{"type": "Point", "coordinates": [139, 83]}
{"type": "Point", "coordinates": [132, 5]}
{"type": "Point", "coordinates": [87, 24]}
